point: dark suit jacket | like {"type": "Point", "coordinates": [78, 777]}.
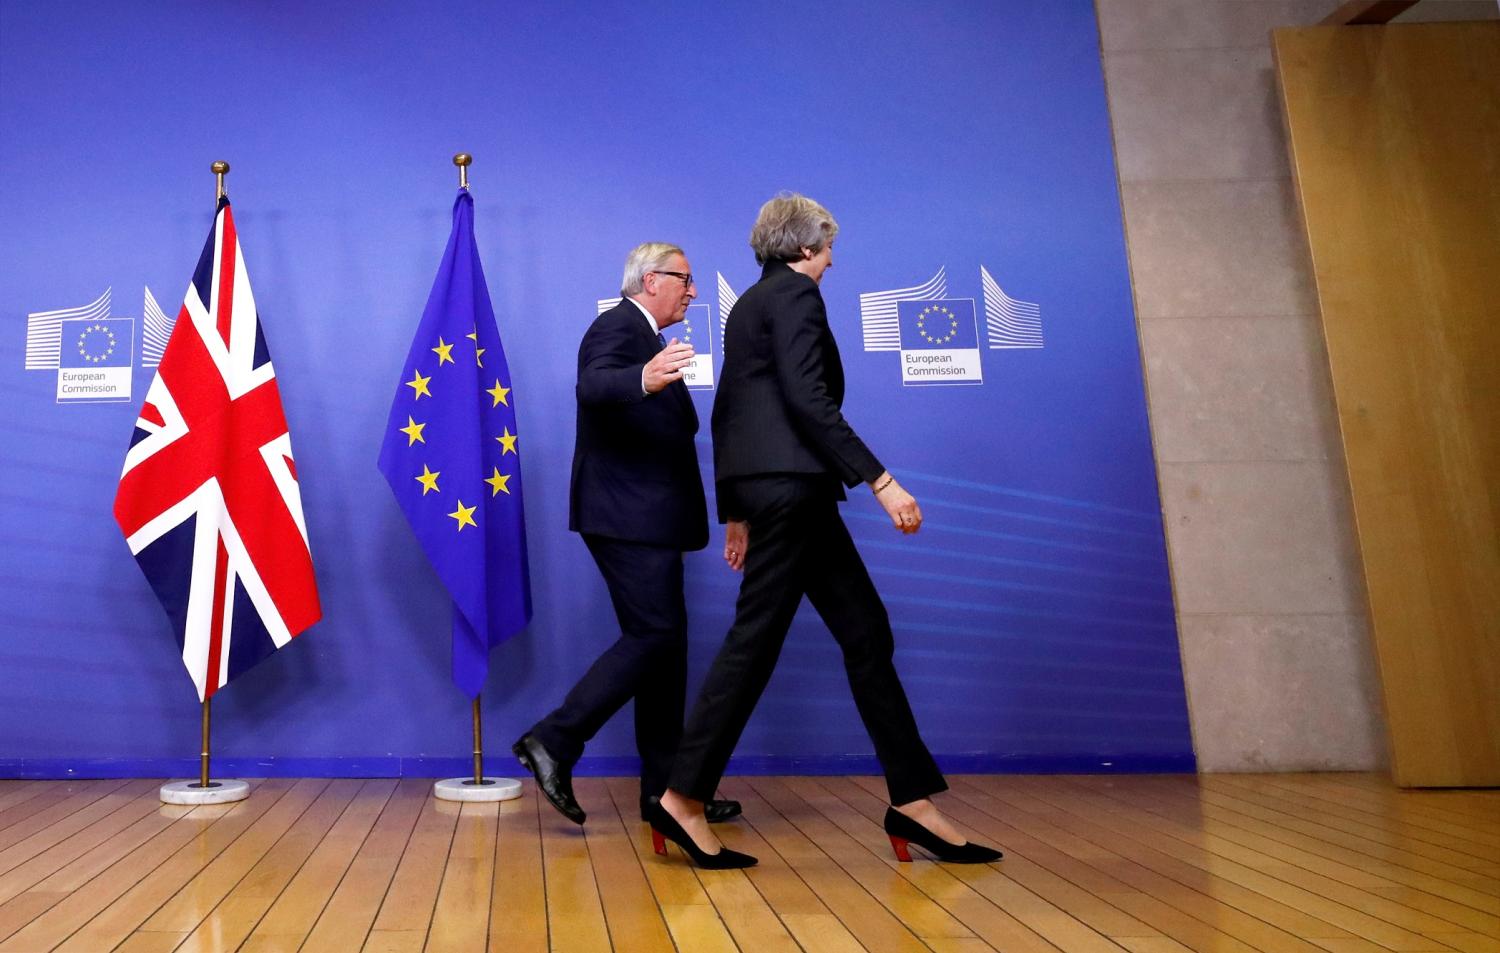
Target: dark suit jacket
{"type": "Point", "coordinates": [781, 390]}
{"type": "Point", "coordinates": [635, 470]}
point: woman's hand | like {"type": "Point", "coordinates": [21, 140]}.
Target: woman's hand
{"type": "Point", "coordinates": [899, 505]}
{"type": "Point", "coordinates": [736, 541]}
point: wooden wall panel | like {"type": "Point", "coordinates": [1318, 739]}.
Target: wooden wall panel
{"type": "Point", "coordinates": [1395, 140]}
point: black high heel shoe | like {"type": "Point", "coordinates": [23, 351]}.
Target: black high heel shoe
{"type": "Point", "coordinates": [904, 830]}
{"type": "Point", "coordinates": [664, 827]}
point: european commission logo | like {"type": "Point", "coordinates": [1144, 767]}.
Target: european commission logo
{"type": "Point", "coordinates": [92, 350]}
{"type": "Point", "coordinates": [938, 336]}
{"type": "Point", "coordinates": [698, 329]}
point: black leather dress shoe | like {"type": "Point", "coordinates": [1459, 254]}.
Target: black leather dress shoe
{"type": "Point", "coordinates": [716, 811]}
{"type": "Point", "coordinates": [554, 780]}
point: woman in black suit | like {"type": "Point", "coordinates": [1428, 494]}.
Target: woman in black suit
{"type": "Point", "coordinates": [783, 454]}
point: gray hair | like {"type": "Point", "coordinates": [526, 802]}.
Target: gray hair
{"type": "Point", "coordinates": [789, 223]}
{"type": "Point", "coordinates": [643, 258]}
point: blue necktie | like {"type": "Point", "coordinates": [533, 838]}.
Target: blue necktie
{"type": "Point", "coordinates": [661, 339]}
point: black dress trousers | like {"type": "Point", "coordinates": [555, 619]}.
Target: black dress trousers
{"type": "Point", "coordinates": [800, 546]}
{"type": "Point", "coordinates": [648, 662]}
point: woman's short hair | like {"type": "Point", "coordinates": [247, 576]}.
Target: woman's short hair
{"type": "Point", "coordinates": [643, 258]}
{"type": "Point", "coordinates": [789, 223]}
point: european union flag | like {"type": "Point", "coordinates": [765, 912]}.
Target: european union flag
{"type": "Point", "coordinates": [945, 323]}
{"type": "Point", "coordinates": [451, 457]}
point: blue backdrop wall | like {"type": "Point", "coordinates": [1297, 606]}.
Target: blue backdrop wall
{"type": "Point", "coordinates": [964, 148]}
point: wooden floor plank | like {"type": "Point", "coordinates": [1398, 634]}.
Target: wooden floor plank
{"type": "Point", "coordinates": [1160, 800]}
{"type": "Point", "coordinates": [1260, 915]}
{"type": "Point", "coordinates": [90, 884]}
{"type": "Point", "coordinates": [407, 909]}
{"type": "Point", "coordinates": [1407, 907]}
{"type": "Point", "coordinates": [871, 923]}
{"type": "Point", "coordinates": [575, 914]}
{"type": "Point", "coordinates": [685, 906]}
{"type": "Point", "coordinates": [1040, 916]}
{"type": "Point", "coordinates": [47, 851]}
{"type": "Point", "coordinates": [1094, 864]}
{"type": "Point", "coordinates": [237, 841]}
{"type": "Point", "coordinates": [38, 814]}
{"type": "Point", "coordinates": [973, 908]}
{"type": "Point", "coordinates": [1464, 851]}
{"type": "Point", "coordinates": [1067, 883]}
{"type": "Point", "coordinates": [346, 921]}
{"type": "Point", "coordinates": [518, 905]}
{"type": "Point", "coordinates": [461, 917]}
{"type": "Point", "coordinates": [1197, 922]}
{"type": "Point", "coordinates": [37, 796]}
{"type": "Point", "coordinates": [250, 874]}
{"type": "Point", "coordinates": [1196, 842]}
{"type": "Point", "coordinates": [1267, 871]}
{"type": "Point", "coordinates": [909, 904]}
{"type": "Point", "coordinates": [1415, 807]}
{"type": "Point", "coordinates": [1265, 826]}
{"type": "Point", "coordinates": [45, 835]}
{"type": "Point", "coordinates": [634, 920]}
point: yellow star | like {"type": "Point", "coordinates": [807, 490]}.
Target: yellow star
{"type": "Point", "coordinates": [428, 479]}
{"type": "Point", "coordinates": [418, 383]}
{"type": "Point", "coordinates": [443, 351]}
{"type": "Point", "coordinates": [499, 393]}
{"type": "Point", "coordinates": [508, 442]}
{"type": "Point", "coordinates": [413, 431]}
{"type": "Point", "coordinates": [498, 482]}
{"type": "Point", "coordinates": [464, 515]}
{"type": "Point", "coordinates": [478, 351]}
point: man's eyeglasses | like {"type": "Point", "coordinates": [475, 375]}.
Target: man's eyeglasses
{"type": "Point", "coordinates": [687, 278]}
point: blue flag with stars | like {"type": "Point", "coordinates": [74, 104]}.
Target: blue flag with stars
{"type": "Point", "coordinates": [451, 457]}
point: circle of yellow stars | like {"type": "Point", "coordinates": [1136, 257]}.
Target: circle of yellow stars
{"type": "Point", "coordinates": [109, 343]}
{"type": "Point", "coordinates": [687, 330]}
{"type": "Point", "coordinates": [414, 430]}
{"type": "Point", "coordinates": [937, 337]}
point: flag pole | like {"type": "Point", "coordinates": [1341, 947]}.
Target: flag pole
{"type": "Point", "coordinates": [203, 781]}
{"type": "Point", "coordinates": [206, 791]}
{"type": "Point", "coordinates": [479, 787]}
{"type": "Point", "coordinates": [219, 169]}
{"type": "Point", "coordinates": [478, 746]}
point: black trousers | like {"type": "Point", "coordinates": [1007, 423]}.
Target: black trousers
{"type": "Point", "coordinates": [800, 546]}
{"type": "Point", "coordinates": [648, 662]}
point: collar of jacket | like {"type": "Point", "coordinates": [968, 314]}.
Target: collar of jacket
{"type": "Point", "coordinates": [773, 267]}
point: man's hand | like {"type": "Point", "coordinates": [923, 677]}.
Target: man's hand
{"type": "Point", "coordinates": [736, 541]}
{"type": "Point", "coordinates": [899, 505]}
{"type": "Point", "coordinates": [666, 366]}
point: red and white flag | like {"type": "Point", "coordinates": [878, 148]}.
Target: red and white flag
{"type": "Point", "coordinates": [208, 499]}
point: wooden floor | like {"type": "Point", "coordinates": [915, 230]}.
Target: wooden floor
{"type": "Point", "coordinates": [1337, 862]}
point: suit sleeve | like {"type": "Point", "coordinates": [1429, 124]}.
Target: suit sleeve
{"type": "Point", "coordinates": [609, 369]}
{"type": "Point", "coordinates": [798, 324]}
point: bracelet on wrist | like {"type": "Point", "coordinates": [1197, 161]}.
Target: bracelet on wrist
{"type": "Point", "coordinates": [888, 481]}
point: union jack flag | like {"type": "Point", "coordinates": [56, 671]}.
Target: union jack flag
{"type": "Point", "coordinates": [208, 498]}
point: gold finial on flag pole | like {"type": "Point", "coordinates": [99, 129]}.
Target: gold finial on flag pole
{"type": "Point", "coordinates": [219, 169]}
{"type": "Point", "coordinates": [462, 160]}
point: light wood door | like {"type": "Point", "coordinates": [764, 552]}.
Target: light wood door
{"type": "Point", "coordinates": [1395, 142]}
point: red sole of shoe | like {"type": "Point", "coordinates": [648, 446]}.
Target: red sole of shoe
{"type": "Point", "coordinates": [899, 845]}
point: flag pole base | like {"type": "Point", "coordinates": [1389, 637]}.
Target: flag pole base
{"type": "Point", "coordinates": [464, 789]}
{"type": "Point", "coordinates": [217, 792]}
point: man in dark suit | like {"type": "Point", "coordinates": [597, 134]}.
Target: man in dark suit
{"type": "Point", "coordinates": [637, 499]}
